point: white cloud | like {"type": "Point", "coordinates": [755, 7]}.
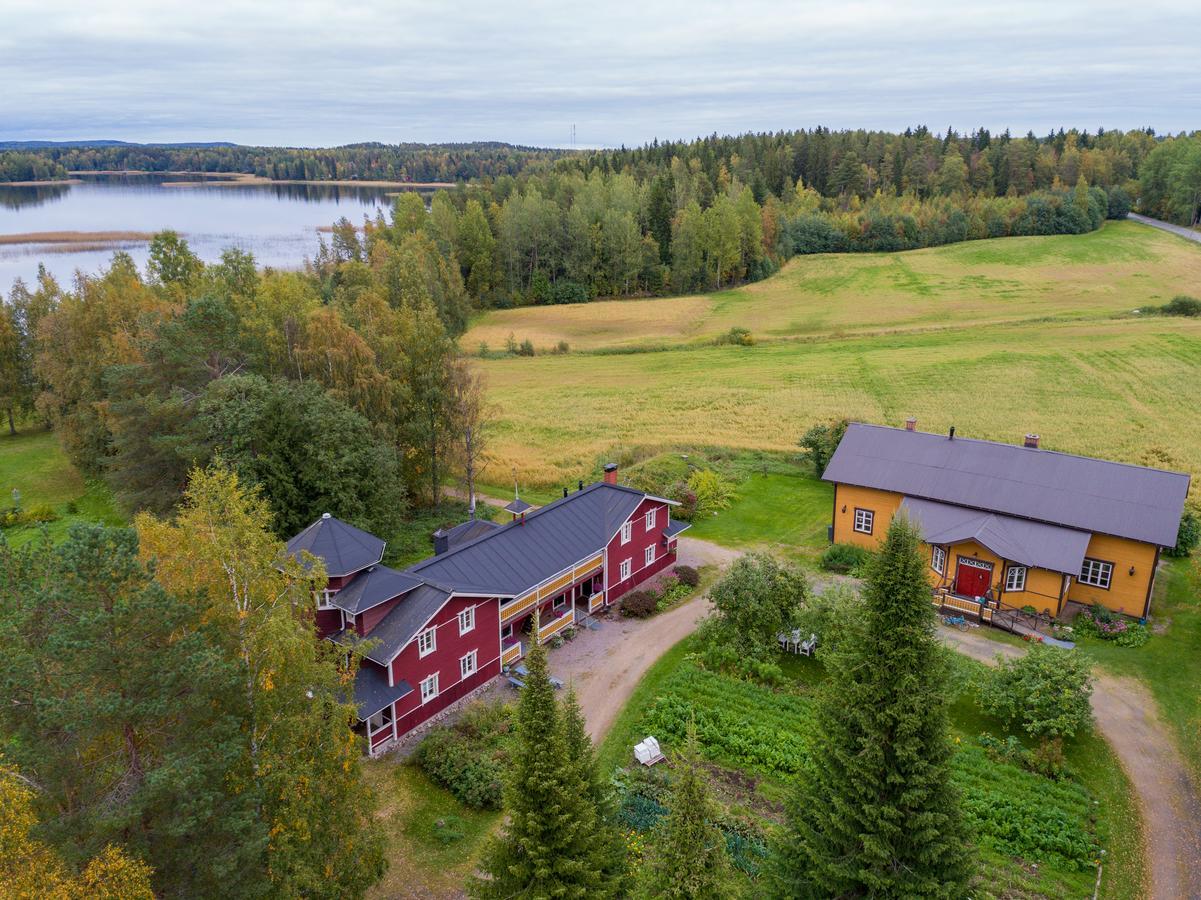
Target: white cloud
{"type": "Point", "coordinates": [322, 72]}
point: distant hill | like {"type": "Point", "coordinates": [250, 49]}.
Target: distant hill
{"type": "Point", "coordinates": [46, 145]}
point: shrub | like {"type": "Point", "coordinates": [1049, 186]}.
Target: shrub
{"type": "Point", "coordinates": [639, 604]}
{"type": "Point", "coordinates": [739, 337]}
{"type": "Point", "coordinates": [1118, 202]}
{"type": "Point", "coordinates": [468, 757]}
{"type": "Point", "coordinates": [686, 497]}
{"type": "Point", "coordinates": [1189, 535]}
{"type": "Point", "coordinates": [1100, 622]}
{"type": "Point", "coordinates": [562, 347]}
{"type": "Point", "coordinates": [820, 442]}
{"type": "Point", "coordinates": [756, 600]}
{"type": "Point", "coordinates": [1045, 692]}
{"type": "Point", "coordinates": [845, 558]}
{"type": "Point", "coordinates": [688, 576]}
{"type": "Point", "coordinates": [526, 348]}
{"type": "Point", "coordinates": [1181, 305]}
{"type": "Point", "coordinates": [712, 491]}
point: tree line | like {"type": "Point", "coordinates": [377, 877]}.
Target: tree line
{"type": "Point", "coordinates": [367, 161]}
{"type": "Point", "coordinates": [338, 390]}
{"type": "Point", "coordinates": [1170, 180]}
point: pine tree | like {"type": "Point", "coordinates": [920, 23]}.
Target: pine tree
{"type": "Point", "coordinates": [545, 850]}
{"type": "Point", "coordinates": [690, 859]}
{"type": "Point", "coordinates": [876, 814]}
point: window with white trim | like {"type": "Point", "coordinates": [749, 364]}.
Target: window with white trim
{"type": "Point", "coordinates": [650, 517]}
{"type": "Point", "coordinates": [467, 664]}
{"type": "Point", "coordinates": [325, 599]}
{"type": "Point", "coordinates": [938, 560]}
{"type": "Point", "coordinates": [650, 555]}
{"type": "Point", "coordinates": [627, 532]}
{"type": "Point", "coordinates": [506, 632]}
{"type": "Point", "coordinates": [427, 642]}
{"type": "Point", "coordinates": [1096, 573]}
{"type": "Point", "coordinates": [429, 688]}
{"type": "Point", "coordinates": [1015, 578]}
{"type": "Point", "coordinates": [467, 620]}
{"type": "Point", "coordinates": [625, 569]}
{"type": "Point", "coordinates": [382, 719]}
{"type": "Point", "coordinates": [864, 520]}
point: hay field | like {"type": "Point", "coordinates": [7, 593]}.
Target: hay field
{"type": "Point", "coordinates": [1124, 388]}
{"type": "Point", "coordinates": [1119, 268]}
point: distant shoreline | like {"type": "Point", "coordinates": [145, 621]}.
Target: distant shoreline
{"type": "Point", "coordinates": [234, 179]}
{"type": "Point", "coordinates": [4, 184]}
{"type": "Point", "coordinates": [93, 239]}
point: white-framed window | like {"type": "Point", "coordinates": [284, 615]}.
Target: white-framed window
{"type": "Point", "coordinates": [467, 620]}
{"type": "Point", "coordinates": [1096, 573]}
{"type": "Point", "coordinates": [650, 555]}
{"type": "Point", "coordinates": [938, 560]}
{"type": "Point", "coordinates": [506, 632]}
{"type": "Point", "coordinates": [382, 719]}
{"type": "Point", "coordinates": [427, 642]}
{"type": "Point", "coordinates": [864, 520]}
{"type": "Point", "coordinates": [1015, 578]}
{"type": "Point", "coordinates": [651, 515]}
{"type": "Point", "coordinates": [325, 599]}
{"type": "Point", "coordinates": [625, 569]}
{"type": "Point", "coordinates": [467, 664]}
{"type": "Point", "coordinates": [429, 688]}
{"type": "Point", "coordinates": [627, 532]}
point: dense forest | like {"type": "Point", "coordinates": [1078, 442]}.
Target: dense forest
{"type": "Point", "coordinates": [369, 161]}
{"type": "Point", "coordinates": [673, 218]}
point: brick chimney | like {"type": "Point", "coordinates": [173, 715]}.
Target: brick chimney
{"type": "Point", "coordinates": [1032, 441]}
{"type": "Point", "coordinates": [911, 424]}
{"type": "Point", "coordinates": [610, 473]}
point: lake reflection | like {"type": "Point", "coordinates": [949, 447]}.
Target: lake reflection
{"type": "Point", "coordinates": [276, 222]}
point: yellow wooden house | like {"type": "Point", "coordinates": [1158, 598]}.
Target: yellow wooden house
{"type": "Point", "coordinates": [1008, 526]}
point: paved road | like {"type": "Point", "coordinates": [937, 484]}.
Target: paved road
{"type": "Point", "coordinates": [1126, 715]}
{"type": "Point", "coordinates": [1191, 234]}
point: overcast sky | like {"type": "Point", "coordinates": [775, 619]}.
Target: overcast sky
{"type": "Point", "coordinates": [320, 72]}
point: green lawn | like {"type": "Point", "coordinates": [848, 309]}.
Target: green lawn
{"type": "Point", "coordinates": [33, 463]}
{"type": "Point", "coordinates": [1004, 792]}
{"type": "Point", "coordinates": [433, 839]}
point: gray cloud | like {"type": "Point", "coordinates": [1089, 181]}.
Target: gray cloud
{"type": "Point", "coordinates": [323, 72]}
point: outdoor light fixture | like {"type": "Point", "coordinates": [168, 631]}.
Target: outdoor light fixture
{"type": "Point", "coordinates": [844, 507]}
{"type": "Point", "coordinates": [1132, 570]}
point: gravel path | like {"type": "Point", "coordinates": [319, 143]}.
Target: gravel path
{"type": "Point", "coordinates": [1126, 715]}
{"type": "Point", "coordinates": [1191, 234]}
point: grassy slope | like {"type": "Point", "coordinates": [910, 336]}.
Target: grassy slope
{"type": "Point", "coordinates": [1120, 267]}
{"type": "Point", "coordinates": [34, 463]}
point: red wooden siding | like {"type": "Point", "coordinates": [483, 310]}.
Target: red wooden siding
{"type": "Point", "coordinates": [451, 647]}
{"type": "Point", "coordinates": [635, 550]}
{"type": "Point", "coordinates": [365, 621]}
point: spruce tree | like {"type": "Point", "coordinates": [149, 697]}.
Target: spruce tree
{"type": "Point", "coordinates": [607, 848]}
{"type": "Point", "coordinates": [546, 847]}
{"type": "Point", "coordinates": [876, 814]}
{"type": "Point", "coordinates": [690, 859]}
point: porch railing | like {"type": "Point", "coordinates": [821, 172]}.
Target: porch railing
{"type": "Point", "coordinates": [551, 586]}
{"type": "Point", "coordinates": [511, 653]}
{"type": "Point", "coordinates": [596, 601]}
{"type": "Point", "coordinates": [550, 629]}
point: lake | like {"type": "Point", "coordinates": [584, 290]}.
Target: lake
{"type": "Point", "coordinates": [276, 222]}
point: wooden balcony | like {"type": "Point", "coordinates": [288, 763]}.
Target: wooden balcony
{"type": "Point", "coordinates": [511, 653]}
{"type": "Point", "coordinates": [550, 629]}
{"type": "Point", "coordinates": [550, 587]}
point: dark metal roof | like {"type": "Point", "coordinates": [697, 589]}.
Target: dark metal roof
{"type": "Point", "coordinates": [372, 691]}
{"type": "Point", "coordinates": [466, 531]}
{"type": "Point", "coordinates": [399, 626]}
{"type": "Point", "coordinates": [517, 556]}
{"type": "Point", "coordinates": [1017, 540]}
{"type": "Point", "coordinates": [373, 586]}
{"type": "Point", "coordinates": [675, 527]}
{"type": "Point", "coordinates": [344, 548]}
{"type": "Point", "coordinates": [518, 506]}
{"type": "Point", "coordinates": [1074, 491]}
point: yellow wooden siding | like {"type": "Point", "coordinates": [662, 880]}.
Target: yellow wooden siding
{"type": "Point", "coordinates": [518, 605]}
{"type": "Point", "coordinates": [555, 586]}
{"type": "Point", "coordinates": [553, 628]}
{"type": "Point", "coordinates": [884, 504]}
{"type": "Point", "coordinates": [1042, 586]}
{"type": "Point", "coordinates": [596, 601]}
{"type": "Point", "coordinates": [1127, 593]}
{"type": "Point", "coordinates": [511, 654]}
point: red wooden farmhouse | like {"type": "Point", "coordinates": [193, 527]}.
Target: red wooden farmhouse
{"type": "Point", "coordinates": [449, 624]}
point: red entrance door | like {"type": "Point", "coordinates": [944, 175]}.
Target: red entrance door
{"type": "Point", "coordinates": [972, 581]}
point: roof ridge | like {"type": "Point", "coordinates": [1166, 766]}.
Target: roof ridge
{"type": "Point", "coordinates": [517, 523]}
{"type": "Point", "coordinates": [1042, 450]}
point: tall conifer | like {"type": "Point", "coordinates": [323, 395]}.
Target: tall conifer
{"type": "Point", "coordinates": [876, 814]}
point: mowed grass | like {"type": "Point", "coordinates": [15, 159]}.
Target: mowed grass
{"type": "Point", "coordinates": [784, 514]}
{"type": "Point", "coordinates": [1119, 268]}
{"type": "Point", "coordinates": [1124, 389]}
{"type": "Point", "coordinates": [33, 463]}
